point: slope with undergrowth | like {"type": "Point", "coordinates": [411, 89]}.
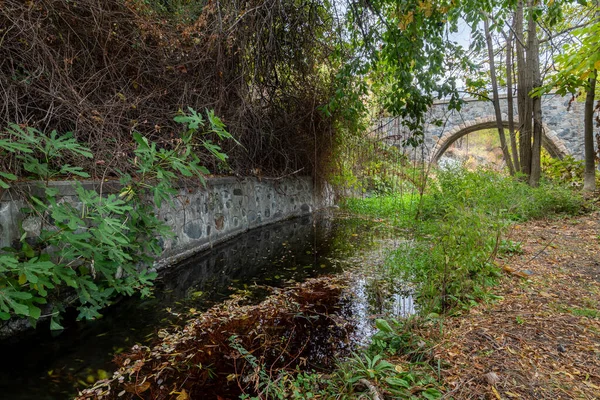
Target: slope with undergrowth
{"type": "Point", "coordinates": [541, 340]}
{"type": "Point", "coordinates": [103, 69]}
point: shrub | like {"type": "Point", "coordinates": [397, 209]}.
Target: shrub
{"type": "Point", "coordinates": [104, 247]}
{"type": "Point", "coordinates": [458, 226]}
{"type": "Point", "coordinates": [567, 171]}
{"type": "Point", "coordinates": [493, 193]}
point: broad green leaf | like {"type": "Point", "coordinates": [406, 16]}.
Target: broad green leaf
{"type": "Point", "coordinates": [383, 326]}
{"type": "Point", "coordinates": [34, 312]}
{"type": "Point", "coordinates": [141, 141]}
{"type": "Point", "coordinates": [397, 382]}
{"type": "Point", "coordinates": [432, 394]}
{"type": "Point", "coordinates": [54, 323]}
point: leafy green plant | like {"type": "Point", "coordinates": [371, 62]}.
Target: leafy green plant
{"type": "Point", "coordinates": [96, 246]}
{"type": "Point", "coordinates": [457, 226]}
{"type": "Point", "coordinates": [510, 247]}
{"type": "Point", "coordinates": [39, 153]}
{"type": "Point", "coordinates": [372, 368]}
{"type": "Point", "coordinates": [567, 170]}
{"type": "Point", "coordinates": [284, 385]}
{"type": "Point", "coordinates": [385, 376]}
{"type": "Point", "coordinates": [392, 338]}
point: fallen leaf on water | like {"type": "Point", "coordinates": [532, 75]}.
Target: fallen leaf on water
{"type": "Point", "coordinates": [142, 387]}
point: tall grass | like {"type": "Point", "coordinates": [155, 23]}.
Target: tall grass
{"type": "Point", "coordinates": [492, 193]}
{"type": "Point", "coordinates": [458, 226]}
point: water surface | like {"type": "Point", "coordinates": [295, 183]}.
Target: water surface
{"type": "Point", "coordinates": [45, 365]}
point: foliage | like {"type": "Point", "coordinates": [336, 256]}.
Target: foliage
{"type": "Point", "coordinates": [105, 245]}
{"type": "Point", "coordinates": [566, 171]}
{"type": "Point", "coordinates": [287, 385]}
{"type": "Point", "coordinates": [488, 192]}
{"type": "Point", "coordinates": [509, 247]}
{"type": "Point", "coordinates": [373, 163]}
{"type": "Point", "coordinates": [40, 154]}
{"type": "Point", "coordinates": [386, 377]}
{"type": "Point", "coordinates": [348, 380]}
{"type": "Point", "coordinates": [400, 208]}
{"type": "Point", "coordinates": [472, 209]}
{"type": "Point", "coordinates": [397, 338]}
{"type": "Point", "coordinates": [398, 54]}
{"type": "Point", "coordinates": [458, 226]}
{"type": "Point", "coordinates": [456, 268]}
{"type": "Point", "coordinates": [579, 60]}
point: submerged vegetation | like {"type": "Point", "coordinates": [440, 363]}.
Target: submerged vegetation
{"type": "Point", "coordinates": [235, 349]}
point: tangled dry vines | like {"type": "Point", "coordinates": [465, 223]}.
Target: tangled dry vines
{"type": "Point", "coordinates": [103, 69]}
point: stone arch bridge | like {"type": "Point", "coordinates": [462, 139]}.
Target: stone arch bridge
{"type": "Point", "coordinates": [562, 126]}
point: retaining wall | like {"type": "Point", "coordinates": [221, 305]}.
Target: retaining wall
{"type": "Point", "coordinates": [199, 217]}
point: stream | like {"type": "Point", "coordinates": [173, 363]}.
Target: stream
{"type": "Point", "coordinates": [41, 364]}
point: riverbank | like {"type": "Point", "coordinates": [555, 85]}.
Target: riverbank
{"type": "Point", "coordinates": [541, 340]}
{"type": "Point", "coordinates": [456, 254]}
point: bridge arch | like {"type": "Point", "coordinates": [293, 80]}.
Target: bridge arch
{"type": "Point", "coordinates": [550, 140]}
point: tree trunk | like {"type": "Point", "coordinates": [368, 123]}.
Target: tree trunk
{"type": "Point", "coordinates": [510, 103]}
{"type": "Point", "coordinates": [589, 177]}
{"type": "Point", "coordinates": [496, 100]}
{"type": "Point", "coordinates": [533, 64]}
{"type": "Point", "coordinates": [524, 104]}
{"type": "Point", "coordinates": [536, 148]}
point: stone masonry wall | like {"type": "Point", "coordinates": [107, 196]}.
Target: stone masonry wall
{"type": "Point", "coordinates": [200, 217]}
{"type": "Point", "coordinates": [562, 121]}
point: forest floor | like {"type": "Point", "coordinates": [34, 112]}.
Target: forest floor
{"type": "Point", "coordinates": [542, 339]}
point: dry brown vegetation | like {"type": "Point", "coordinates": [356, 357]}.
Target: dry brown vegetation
{"type": "Point", "coordinates": [294, 327]}
{"type": "Point", "coordinates": [103, 69]}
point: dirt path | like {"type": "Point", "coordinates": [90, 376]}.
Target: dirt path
{"type": "Point", "coordinates": [542, 340]}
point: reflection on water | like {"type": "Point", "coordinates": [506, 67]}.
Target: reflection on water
{"type": "Point", "coordinates": [40, 366]}
{"type": "Point", "coordinates": [371, 298]}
